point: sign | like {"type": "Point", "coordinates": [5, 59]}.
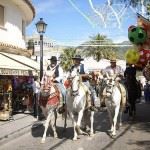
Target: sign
{"type": "Point", "coordinates": [4, 71]}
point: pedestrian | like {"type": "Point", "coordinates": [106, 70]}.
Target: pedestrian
{"type": "Point", "coordinates": [147, 91]}
{"type": "Point", "coordinates": [36, 95]}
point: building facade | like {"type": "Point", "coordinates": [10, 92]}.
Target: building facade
{"type": "Point", "coordinates": [50, 48]}
{"type": "Point", "coordinates": [17, 69]}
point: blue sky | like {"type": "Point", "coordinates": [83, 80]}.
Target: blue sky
{"type": "Point", "coordinates": [71, 22]}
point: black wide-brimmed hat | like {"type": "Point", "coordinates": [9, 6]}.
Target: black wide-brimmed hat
{"type": "Point", "coordinates": [78, 57]}
{"type": "Point", "coordinates": [53, 58]}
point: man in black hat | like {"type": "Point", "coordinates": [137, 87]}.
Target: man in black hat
{"type": "Point", "coordinates": [85, 79]}
{"type": "Point", "coordinates": [58, 79]}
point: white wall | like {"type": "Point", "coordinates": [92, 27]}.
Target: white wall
{"type": "Point", "coordinates": [12, 32]}
{"type": "Point", "coordinates": [92, 64]}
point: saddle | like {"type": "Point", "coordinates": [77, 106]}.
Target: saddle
{"type": "Point", "coordinates": [49, 94]}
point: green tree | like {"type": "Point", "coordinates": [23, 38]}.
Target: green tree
{"type": "Point", "coordinates": [133, 3]}
{"type": "Point", "coordinates": [99, 47]}
{"type": "Point", "coordinates": [66, 58]}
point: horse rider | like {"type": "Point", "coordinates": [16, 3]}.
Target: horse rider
{"type": "Point", "coordinates": [130, 75]}
{"type": "Point", "coordinates": [130, 71]}
{"type": "Point", "coordinates": [85, 79]}
{"type": "Point", "coordinates": [113, 70]}
{"type": "Point", "coordinates": [58, 76]}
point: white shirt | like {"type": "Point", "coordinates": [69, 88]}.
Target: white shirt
{"type": "Point", "coordinates": [36, 87]}
{"type": "Point", "coordinates": [51, 72]}
{"type": "Point", "coordinates": [114, 71]}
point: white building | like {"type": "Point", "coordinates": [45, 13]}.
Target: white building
{"type": "Point", "coordinates": [50, 48]}
{"type": "Point", "coordinates": [15, 15]}
{"type": "Point", "coordinates": [16, 66]}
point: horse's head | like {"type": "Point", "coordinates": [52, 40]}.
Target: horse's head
{"type": "Point", "coordinates": [110, 83]}
{"type": "Point", "coordinates": [75, 81]}
{"type": "Point", "coordinates": [46, 83]}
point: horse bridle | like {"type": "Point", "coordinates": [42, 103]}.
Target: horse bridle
{"type": "Point", "coordinates": [76, 92]}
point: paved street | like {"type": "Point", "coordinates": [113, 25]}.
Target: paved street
{"type": "Point", "coordinates": [134, 135]}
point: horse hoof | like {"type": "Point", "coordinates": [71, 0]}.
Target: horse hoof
{"type": "Point", "coordinates": [74, 139]}
{"type": "Point", "coordinates": [55, 136]}
{"type": "Point", "coordinates": [113, 136]}
{"type": "Point", "coordinates": [91, 134]}
{"type": "Point", "coordinates": [42, 141]}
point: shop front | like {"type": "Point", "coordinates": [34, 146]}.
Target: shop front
{"type": "Point", "coordinates": [16, 94]}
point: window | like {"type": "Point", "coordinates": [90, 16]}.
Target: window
{"type": "Point", "coordinates": [1, 15]}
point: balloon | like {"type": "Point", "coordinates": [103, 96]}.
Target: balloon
{"type": "Point", "coordinates": [144, 56]}
{"type": "Point", "coordinates": [132, 56]}
{"type": "Point", "coordinates": [131, 27]}
{"type": "Point", "coordinates": [137, 35]}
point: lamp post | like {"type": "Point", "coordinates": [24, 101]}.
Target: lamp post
{"type": "Point", "coordinates": [41, 28]}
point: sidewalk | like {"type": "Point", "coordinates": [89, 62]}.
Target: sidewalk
{"type": "Point", "coordinates": [11, 129]}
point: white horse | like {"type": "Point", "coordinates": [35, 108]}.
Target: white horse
{"type": "Point", "coordinates": [49, 102]}
{"type": "Point", "coordinates": [114, 104]}
{"type": "Point", "coordinates": [76, 104]}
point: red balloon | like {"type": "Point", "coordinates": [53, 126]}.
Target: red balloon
{"type": "Point", "coordinates": [144, 56]}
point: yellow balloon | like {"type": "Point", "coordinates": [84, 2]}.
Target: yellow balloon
{"type": "Point", "coordinates": [132, 56]}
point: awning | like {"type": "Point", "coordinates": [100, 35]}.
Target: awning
{"type": "Point", "coordinates": [11, 64]}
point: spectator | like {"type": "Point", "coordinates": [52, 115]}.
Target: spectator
{"type": "Point", "coordinates": [36, 91]}
{"type": "Point", "coordinates": [147, 91]}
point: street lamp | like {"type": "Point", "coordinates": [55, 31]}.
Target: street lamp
{"type": "Point", "coordinates": [41, 28]}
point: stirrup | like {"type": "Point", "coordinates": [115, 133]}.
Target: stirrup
{"type": "Point", "coordinates": [61, 109]}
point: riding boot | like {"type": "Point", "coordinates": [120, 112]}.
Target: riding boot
{"type": "Point", "coordinates": [93, 108]}
{"type": "Point", "coordinates": [61, 109]}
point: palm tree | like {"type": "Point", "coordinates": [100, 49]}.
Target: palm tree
{"type": "Point", "coordinates": [99, 47]}
{"type": "Point", "coordinates": [66, 58]}
{"type": "Point", "coordinates": [133, 3]}
{"type": "Point", "coordinates": [31, 45]}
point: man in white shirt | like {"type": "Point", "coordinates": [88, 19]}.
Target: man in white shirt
{"type": "Point", "coordinates": [57, 72]}
{"type": "Point", "coordinates": [36, 90]}
{"type": "Point", "coordinates": [115, 71]}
